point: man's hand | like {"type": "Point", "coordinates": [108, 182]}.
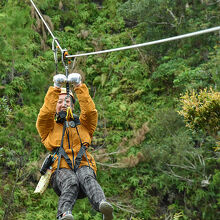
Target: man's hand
{"type": "Point", "coordinates": [75, 79]}
{"type": "Point", "coordinates": [59, 80]}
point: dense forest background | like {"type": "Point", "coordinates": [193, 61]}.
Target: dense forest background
{"type": "Point", "coordinates": [157, 140]}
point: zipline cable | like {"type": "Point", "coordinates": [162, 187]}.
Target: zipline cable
{"type": "Point", "coordinates": [150, 43]}
{"type": "Point", "coordinates": [64, 52]}
{"type": "Point", "coordinates": [45, 23]}
{"type": "Point", "coordinates": [54, 48]}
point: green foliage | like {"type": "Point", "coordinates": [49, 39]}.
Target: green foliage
{"type": "Point", "coordinates": [213, 67]}
{"type": "Point", "coordinates": [192, 79]}
{"type": "Point", "coordinates": [202, 110]}
{"type": "Point", "coordinates": [4, 111]}
{"type": "Point", "coordinates": [179, 178]}
{"type": "Point", "coordinates": [171, 151]}
{"type": "Point", "coordinates": [167, 72]}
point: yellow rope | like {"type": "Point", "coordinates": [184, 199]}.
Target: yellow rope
{"type": "Point", "coordinates": [69, 114]}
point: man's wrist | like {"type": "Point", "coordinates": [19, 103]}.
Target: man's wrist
{"type": "Point", "coordinates": [57, 85]}
{"type": "Point", "coordinates": [78, 85]}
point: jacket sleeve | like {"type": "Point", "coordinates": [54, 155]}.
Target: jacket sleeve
{"type": "Point", "coordinates": [45, 119]}
{"type": "Point", "coordinates": [89, 114]}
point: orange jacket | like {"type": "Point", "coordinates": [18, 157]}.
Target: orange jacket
{"type": "Point", "coordinates": [51, 132]}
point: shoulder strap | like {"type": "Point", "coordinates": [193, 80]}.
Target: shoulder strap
{"type": "Point", "coordinates": [61, 152]}
{"type": "Point", "coordinates": [80, 154]}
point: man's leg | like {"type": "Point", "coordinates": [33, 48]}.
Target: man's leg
{"type": "Point", "coordinates": [90, 186]}
{"type": "Point", "coordinates": [67, 183]}
{"type": "Point", "coordinates": [94, 191]}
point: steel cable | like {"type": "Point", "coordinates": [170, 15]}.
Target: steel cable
{"type": "Point", "coordinates": [149, 43]}
{"type": "Point", "coordinates": [126, 47]}
{"type": "Point", "coordinates": [45, 23]}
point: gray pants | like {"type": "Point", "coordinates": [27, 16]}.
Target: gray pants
{"type": "Point", "coordinates": [67, 184]}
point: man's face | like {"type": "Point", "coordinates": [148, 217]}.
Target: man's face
{"type": "Point", "coordinates": [61, 103]}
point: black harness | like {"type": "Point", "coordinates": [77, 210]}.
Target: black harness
{"type": "Point", "coordinates": [60, 152]}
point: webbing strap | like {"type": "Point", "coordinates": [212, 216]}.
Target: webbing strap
{"type": "Point", "coordinates": [68, 137]}
{"type": "Point", "coordinates": [61, 151]}
{"type": "Point", "coordinates": [80, 154]}
{"type": "Point", "coordinates": [79, 157]}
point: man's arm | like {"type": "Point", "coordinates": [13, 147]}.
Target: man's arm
{"type": "Point", "coordinates": [89, 114]}
{"type": "Point", "coordinates": [45, 119]}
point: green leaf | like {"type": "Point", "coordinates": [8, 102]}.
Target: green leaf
{"type": "Point", "coordinates": [69, 29]}
{"type": "Point", "coordinates": [103, 78]}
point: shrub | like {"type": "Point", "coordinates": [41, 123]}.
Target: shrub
{"type": "Point", "coordinates": [4, 111]}
{"type": "Point", "coordinates": [202, 110]}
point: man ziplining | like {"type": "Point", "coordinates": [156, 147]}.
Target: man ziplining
{"type": "Point", "coordinates": [68, 137]}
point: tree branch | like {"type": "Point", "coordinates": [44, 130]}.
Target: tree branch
{"type": "Point", "coordinates": [125, 208]}
{"type": "Point", "coordinates": [113, 165]}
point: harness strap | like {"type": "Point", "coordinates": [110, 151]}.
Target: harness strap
{"type": "Point", "coordinates": [61, 152]}
{"type": "Point", "coordinates": [80, 154]}
{"type": "Point", "coordinates": [71, 147]}
{"type": "Point", "coordinates": [79, 157]}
